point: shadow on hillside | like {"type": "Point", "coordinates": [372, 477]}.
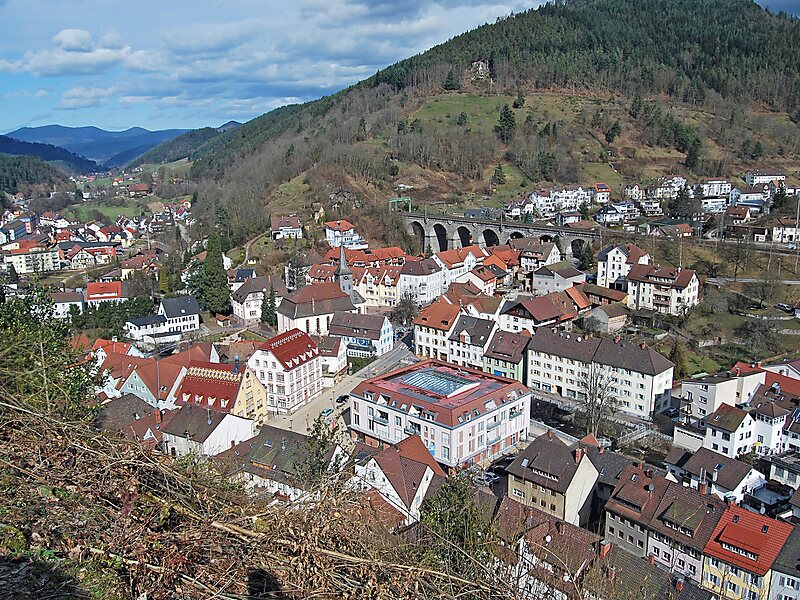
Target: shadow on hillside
{"type": "Point", "coordinates": [264, 585]}
{"type": "Point", "coordinates": [26, 579]}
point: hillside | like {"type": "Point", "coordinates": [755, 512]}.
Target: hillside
{"type": "Point", "coordinates": [47, 152]}
{"type": "Point", "coordinates": [111, 148]}
{"type": "Point", "coordinates": [175, 149]}
{"type": "Point", "coordinates": [612, 90]}
{"type": "Point", "coordinates": [21, 173]}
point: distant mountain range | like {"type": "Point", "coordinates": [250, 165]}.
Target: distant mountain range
{"type": "Point", "coordinates": [108, 148]}
{"type": "Point", "coordinates": [68, 161]}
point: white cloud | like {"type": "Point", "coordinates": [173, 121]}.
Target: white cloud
{"type": "Point", "coordinates": [85, 97]}
{"type": "Point", "coordinates": [73, 40]}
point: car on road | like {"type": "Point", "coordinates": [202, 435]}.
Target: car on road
{"type": "Point", "coordinates": [342, 399]}
{"type": "Point", "coordinates": [326, 412]}
{"type": "Point", "coordinates": [485, 479]}
{"type": "Point", "coordinates": [671, 412]}
{"type": "Point", "coordinates": [784, 307]}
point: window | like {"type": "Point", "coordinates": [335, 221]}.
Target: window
{"type": "Point", "coordinates": [518, 493]}
{"type": "Point", "coordinates": [732, 587]}
{"type": "Point", "coordinates": [398, 421]}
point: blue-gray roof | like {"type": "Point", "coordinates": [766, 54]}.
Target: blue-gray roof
{"type": "Point", "coordinates": [182, 306]}
{"type": "Point", "coordinates": [148, 320]}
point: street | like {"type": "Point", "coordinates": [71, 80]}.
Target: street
{"type": "Point", "coordinates": [302, 419]}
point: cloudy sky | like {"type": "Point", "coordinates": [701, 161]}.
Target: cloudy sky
{"type": "Point", "coordinates": [160, 64]}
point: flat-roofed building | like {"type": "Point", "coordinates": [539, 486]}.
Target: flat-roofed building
{"type": "Point", "coordinates": [463, 415]}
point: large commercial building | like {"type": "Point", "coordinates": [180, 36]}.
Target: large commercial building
{"type": "Point", "coordinates": [464, 416]}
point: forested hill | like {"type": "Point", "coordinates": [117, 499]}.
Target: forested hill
{"type": "Point", "coordinates": [682, 48]}
{"type": "Point", "coordinates": [22, 173]}
{"type": "Point", "coordinates": [177, 148]}
{"type": "Point", "coordinates": [686, 50]}
{"type": "Point", "coordinates": [48, 153]}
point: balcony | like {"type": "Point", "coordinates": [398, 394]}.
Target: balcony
{"type": "Point", "coordinates": [493, 438]}
{"type": "Point", "coordinates": [410, 430]}
{"type": "Point", "coordinates": [379, 420]}
{"type": "Point", "coordinates": [493, 425]}
{"type": "Point", "coordinates": [514, 414]}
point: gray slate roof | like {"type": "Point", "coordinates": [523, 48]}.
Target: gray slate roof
{"type": "Point", "coordinates": [730, 474]}
{"type": "Point", "coordinates": [180, 306]}
{"type": "Point", "coordinates": [148, 320]}
{"type": "Point", "coordinates": [546, 454]}
{"type": "Point", "coordinates": [346, 324]}
{"type": "Point", "coordinates": [478, 330]}
{"type": "Point", "coordinates": [199, 423]}
{"type": "Point", "coordinates": [261, 284]}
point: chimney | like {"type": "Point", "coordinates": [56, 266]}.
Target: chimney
{"type": "Point", "coordinates": [560, 527]}
{"type": "Point", "coordinates": [549, 434]}
{"type": "Point", "coordinates": [604, 549]}
{"type": "Point", "coordinates": [651, 559]}
{"type": "Point", "coordinates": [578, 455]}
{"type": "Point", "coordinates": [648, 473]}
{"type": "Point", "coordinates": [159, 416]}
{"type": "Point", "coordinates": [679, 584]}
{"type": "Point", "coordinates": [703, 488]}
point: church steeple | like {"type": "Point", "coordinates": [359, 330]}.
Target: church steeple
{"type": "Point", "coordinates": [344, 276]}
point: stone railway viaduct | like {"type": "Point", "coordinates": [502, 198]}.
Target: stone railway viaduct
{"type": "Point", "coordinates": [438, 233]}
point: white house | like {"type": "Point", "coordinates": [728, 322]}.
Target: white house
{"type": "Point", "coordinates": [468, 341]}
{"type": "Point", "coordinates": [363, 335]}
{"type": "Point", "coordinates": [285, 228]}
{"type": "Point", "coordinates": [312, 307]}
{"type": "Point", "coordinates": [729, 431]}
{"type": "Point", "coordinates": [634, 192]}
{"type": "Point", "coordinates": [535, 254]}
{"type": "Point", "coordinates": [182, 314]}
{"type": "Point", "coordinates": [701, 396]}
{"type": "Point", "coordinates": [433, 327]}
{"type": "Point", "coordinates": [785, 231]}
{"type": "Point", "coordinates": [722, 475]}
{"type": "Point", "coordinates": [667, 289]}
{"type": "Point", "coordinates": [610, 215]}
{"type": "Point", "coordinates": [422, 280]}
{"type": "Point", "coordinates": [63, 303]}
{"type": "Point", "coordinates": [204, 432]}
{"type": "Point", "coordinates": [404, 474]}
{"type": "Point", "coordinates": [248, 297]}
{"type": "Point", "coordinates": [556, 278]}
{"type": "Point", "coordinates": [459, 261]}
{"type": "Point", "coordinates": [290, 367]}
{"type": "Point", "coordinates": [714, 188]}
{"type": "Point", "coordinates": [343, 233]}
{"type": "Point", "coordinates": [615, 262]}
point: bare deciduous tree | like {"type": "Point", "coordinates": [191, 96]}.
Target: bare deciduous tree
{"type": "Point", "coordinates": [598, 397]}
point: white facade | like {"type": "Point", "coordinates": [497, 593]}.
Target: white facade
{"type": "Point", "coordinates": [754, 178]}
{"type": "Point", "coordinates": [731, 444]}
{"type": "Point", "coordinates": [35, 260]}
{"type": "Point", "coordinates": [232, 430]}
{"type": "Point", "coordinates": [613, 268]}
{"type": "Point", "coordinates": [714, 205]}
{"type": "Point", "coordinates": [449, 445]}
{"type": "Point", "coordinates": [638, 393]}
{"type": "Point", "coordinates": [714, 188]}
{"type": "Point", "coordinates": [288, 388]}
{"type": "Point", "coordinates": [338, 233]}
{"type": "Point", "coordinates": [664, 295]}
{"type": "Point", "coordinates": [704, 395]}
{"type": "Point", "coordinates": [424, 284]}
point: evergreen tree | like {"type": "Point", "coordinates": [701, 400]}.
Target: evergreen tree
{"type": "Point", "coordinates": [163, 280]}
{"type": "Point", "coordinates": [462, 118]}
{"type": "Point", "coordinates": [613, 132]}
{"type": "Point", "coordinates": [451, 83]}
{"type": "Point", "coordinates": [693, 155]}
{"type": "Point", "coordinates": [636, 107]}
{"type": "Point", "coordinates": [506, 124]}
{"type": "Point", "coordinates": [499, 176]}
{"type": "Point", "coordinates": [678, 357]}
{"type": "Point", "coordinates": [216, 294]}
{"type": "Point", "coordinates": [584, 208]}
{"type": "Point", "coordinates": [779, 199]}
{"type": "Point", "coordinates": [269, 316]}
{"type": "Point", "coordinates": [519, 102]}
{"type": "Point", "coordinates": [11, 274]}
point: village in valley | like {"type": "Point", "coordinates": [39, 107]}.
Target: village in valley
{"type": "Point", "coordinates": [589, 388]}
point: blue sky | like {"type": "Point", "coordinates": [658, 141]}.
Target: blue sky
{"type": "Point", "coordinates": [160, 64]}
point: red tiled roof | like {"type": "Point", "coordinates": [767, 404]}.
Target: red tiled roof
{"type": "Point", "coordinates": [405, 464]}
{"type": "Point", "coordinates": [438, 315]}
{"type": "Point", "coordinates": [340, 225]}
{"type": "Point", "coordinates": [457, 255]}
{"type": "Point", "coordinates": [749, 531]}
{"type": "Point", "coordinates": [210, 385]}
{"type": "Point", "coordinates": [291, 348]}
{"type": "Point", "coordinates": [103, 290]}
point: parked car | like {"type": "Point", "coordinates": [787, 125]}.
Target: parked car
{"type": "Point", "coordinates": [784, 307]}
{"type": "Point", "coordinates": [484, 479]}
{"type": "Point", "coordinates": [327, 412]}
{"type": "Point", "coordinates": [671, 412]}
{"type": "Point", "coordinates": [342, 399]}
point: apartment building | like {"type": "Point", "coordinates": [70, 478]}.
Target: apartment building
{"type": "Point", "coordinates": [556, 278]}
{"type": "Point", "coordinates": [534, 253]}
{"type": "Point", "coordinates": [615, 262]}
{"type": "Point", "coordinates": [740, 554]}
{"type": "Point", "coordinates": [290, 367]}
{"type": "Point", "coordinates": [561, 362]}
{"type": "Point", "coordinates": [363, 335]}
{"type": "Point", "coordinates": [505, 354]}
{"type": "Point", "coordinates": [433, 327]}
{"type": "Point", "coordinates": [463, 416]}
{"type": "Point", "coordinates": [35, 259]}
{"type": "Point", "coordinates": [669, 290]}
{"type": "Point", "coordinates": [553, 478]}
